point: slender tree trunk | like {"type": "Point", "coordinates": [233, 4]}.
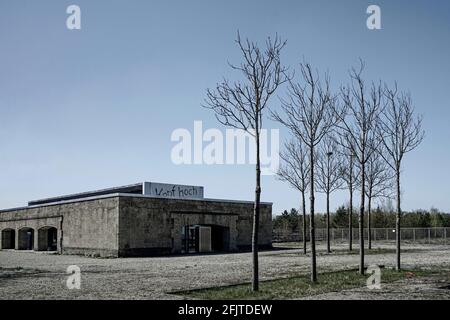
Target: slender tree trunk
{"type": "Point", "coordinates": [361, 218]}
{"type": "Point", "coordinates": [328, 223]}
{"type": "Point", "coordinates": [398, 221]}
{"type": "Point", "coordinates": [255, 280]}
{"type": "Point", "coordinates": [328, 204]}
{"type": "Point", "coordinates": [369, 219]}
{"type": "Point", "coordinates": [311, 223]}
{"type": "Point", "coordinates": [304, 221]}
{"type": "Point", "coordinates": [350, 209]}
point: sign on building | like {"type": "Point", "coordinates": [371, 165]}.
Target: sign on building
{"type": "Point", "coordinates": [175, 191]}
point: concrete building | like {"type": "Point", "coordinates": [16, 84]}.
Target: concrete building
{"type": "Point", "coordinates": [142, 219]}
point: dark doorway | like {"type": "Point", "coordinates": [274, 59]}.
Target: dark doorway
{"type": "Point", "coordinates": [220, 238]}
{"type": "Point", "coordinates": [26, 239]}
{"type": "Point", "coordinates": [9, 239]}
{"type": "Point", "coordinates": [47, 239]}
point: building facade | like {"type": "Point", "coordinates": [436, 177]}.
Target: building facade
{"type": "Point", "coordinates": [143, 219]}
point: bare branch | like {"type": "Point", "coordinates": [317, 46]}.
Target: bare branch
{"type": "Point", "coordinates": [241, 104]}
{"type": "Point", "coordinates": [329, 163]}
{"type": "Point", "coordinates": [294, 167]}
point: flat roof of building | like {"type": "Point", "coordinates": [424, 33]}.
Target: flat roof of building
{"type": "Point", "coordinates": [136, 188]}
{"type": "Point", "coordinates": [113, 195]}
{"type": "Point", "coordinates": [131, 190]}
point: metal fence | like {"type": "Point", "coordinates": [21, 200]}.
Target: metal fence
{"type": "Point", "coordinates": [423, 235]}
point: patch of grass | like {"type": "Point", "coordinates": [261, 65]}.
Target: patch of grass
{"type": "Point", "coordinates": [300, 286]}
{"type": "Point", "coordinates": [16, 272]}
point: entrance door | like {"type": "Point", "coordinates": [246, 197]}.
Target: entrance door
{"type": "Point", "coordinates": [204, 239]}
{"type": "Point", "coordinates": [197, 239]}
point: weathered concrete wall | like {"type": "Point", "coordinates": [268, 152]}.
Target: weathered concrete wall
{"type": "Point", "coordinates": [143, 228]}
{"type": "Point", "coordinates": [150, 226]}
{"type": "Point", "coordinates": [88, 227]}
{"type": "Point", "coordinates": [245, 227]}
{"type": "Point", "coordinates": [123, 225]}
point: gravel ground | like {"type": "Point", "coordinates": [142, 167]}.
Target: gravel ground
{"type": "Point", "coordinates": [31, 275]}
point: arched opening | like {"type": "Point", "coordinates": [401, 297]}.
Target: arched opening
{"type": "Point", "coordinates": [47, 239]}
{"type": "Point", "coordinates": [205, 238]}
{"type": "Point", "coordinates": [26, 239]}
{"type": "Point", "coordinates": [8, 239]}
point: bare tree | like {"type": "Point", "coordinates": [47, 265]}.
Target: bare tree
{"type": "Point", "coordinates": [307, 113]}
{"type": "Point", "coordinates": [241, 105]}
{"type": "Point", "coordinates": [349, 174]}
{"type": "Point", "coordinates": [294, 169]}
{"type": "Point", "coordinates": [362, 110]}
{"type": "Point", "coordinates": [401, 132]}
{"type": "Point", "coordinates": [378, 184]}
{"type": "Point", "coordinates": [329, 175]}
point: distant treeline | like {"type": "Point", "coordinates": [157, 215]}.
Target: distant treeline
{"type": "Point", "coordinates": [291, 221]}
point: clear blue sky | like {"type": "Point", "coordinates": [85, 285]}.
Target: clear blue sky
{"type": "Point", "coordinates": [82, 110]}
